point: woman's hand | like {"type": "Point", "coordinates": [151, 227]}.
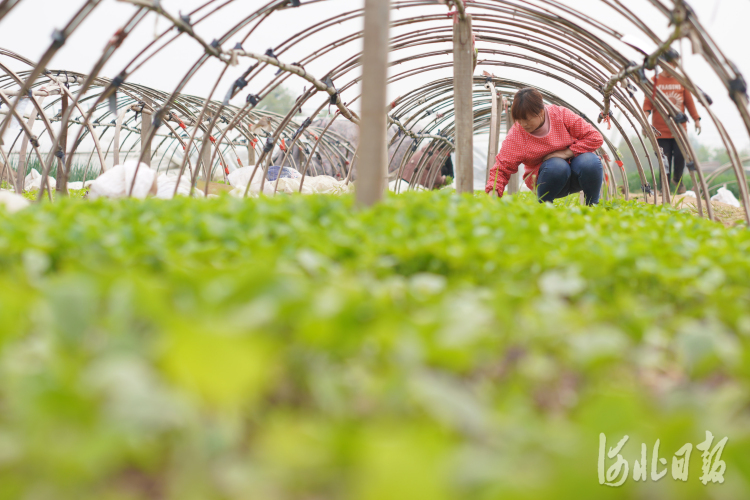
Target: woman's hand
{"type": "Point", "coordinates": [564, 154]}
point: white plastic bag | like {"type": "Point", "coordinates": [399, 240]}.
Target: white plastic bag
{"type": "Point", "coordinates": [322, 184]}
{"type": "Point", "coordinates": [34, 181]}
{"type": "Point", "coordinates": [325, 184]}
{"type": "Point", "coordinates": [241, 176]}
{"type": "Point", "coordinates": [398, 186]}
{"type": "Point", "coordinates": [287, 185]}
{"type": "Point", "coordinates": [116, 182]}
{"type": "Point", "coordinates": [254, 190]}
{"type": "Point", "coordinates": [12, 201]}
{"type": "Point", "coordinates": [79, 185]}
{"type": "Point", "coordinates": [726, 196]}
{"type": "Point", "coordinates": [165, 185]}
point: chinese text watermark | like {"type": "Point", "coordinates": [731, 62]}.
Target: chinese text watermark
{"type": "Point", "coordinates": [617, 473]}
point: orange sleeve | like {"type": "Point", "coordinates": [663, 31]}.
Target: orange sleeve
{"type": "Point", "coordinates": [507, 162]}
{"type": "Point", "coordinates": [647, 104]}
{"type": "Point", "coordinates": [690, 104]}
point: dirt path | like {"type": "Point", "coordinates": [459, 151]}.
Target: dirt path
{"type": "Point", "coordinates": [726, 214]}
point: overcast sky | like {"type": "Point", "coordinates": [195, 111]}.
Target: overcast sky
{"type": "Point", "coordinates": [27, 31]}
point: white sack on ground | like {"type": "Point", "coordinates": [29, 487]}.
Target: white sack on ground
{"type": "Point", "coordinates": [79, 185]}
{"type": "Point", "coordinates": [726, 196]}
{"type": "Point", "coordinates": [34, 181]}
{"type": "Point", "coordinates": [325, 184]}
{"type": "Point", "coordinates": [241, 176]}
{"type": "Point", "coordinates": [287, 185]}
{"type": "Point", "coordinates": [12, 202]}
{"type": "Point", "coordinates": [116, 182]}
{"type": "Point", "coordinates": [398, 186]}
{"type": "Point", "coordinates": [165, 185]}
{"type": "Point", "coordinates": [254, 190]}
{"type": "Point", "coordinates": [311, 185]}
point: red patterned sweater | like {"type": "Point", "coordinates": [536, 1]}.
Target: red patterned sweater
{"type": "Point", "coordinates": [567, 130]}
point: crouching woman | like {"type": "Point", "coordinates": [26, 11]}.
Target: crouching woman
{"type": "Point", "coordinates": [555, 145]}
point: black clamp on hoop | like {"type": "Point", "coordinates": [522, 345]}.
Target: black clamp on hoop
{"type": "Point", "coordinates": [706, 96]}
{"type": "Point", "coordinates": [737, 86]}
{"type": "Point", "coordinates": [680, 118]}
{"type": "Point", "coordinates": [185, 18]}
{"type": "Point", "coordinates": [58, 38]}
{"type": "Point", "coordinates": [116, 83]}
{"type": "Point", "coordinates": [158, 118]}
{"type": "Point", "coordinates": [670, 55]}
{"type": "Point", "coordinates": [302, 127]}
{"type": "Point", "coordinates": [269, 53]}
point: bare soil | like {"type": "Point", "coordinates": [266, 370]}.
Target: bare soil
{"type": "Point", "coordinates": [725, 214]}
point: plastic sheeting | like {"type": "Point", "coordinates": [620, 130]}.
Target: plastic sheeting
{"type": "Point", "coordinates": [34, 181]}
{"type": "Point", "coordinates": [723, 195]}
{"type": "Point", "coordinates": [289, 183]}
{"type": "Point", "coordinates": [117, 181]}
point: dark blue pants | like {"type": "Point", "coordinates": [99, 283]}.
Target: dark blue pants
{"type": "Point", "coordinates": [558, 178]}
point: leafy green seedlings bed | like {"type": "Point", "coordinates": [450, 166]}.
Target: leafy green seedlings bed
{"type": "Point", "coordinates": [433, 347]}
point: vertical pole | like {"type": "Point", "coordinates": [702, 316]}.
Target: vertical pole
{"type": "Point", "coordinates": [145, 130]}
{"type": "Point", "coordinates": [463, 80]}
{"type": "Point", "coordinates": [513, 182]}
{"type": "Point", "coordinates": [21, 171]}
{"type": "Point", "coordinates": [494, 130]}
{"type": "Point", "coordinates": [61, 180]}
{"type": "Point", "coordinates": [373, 169]}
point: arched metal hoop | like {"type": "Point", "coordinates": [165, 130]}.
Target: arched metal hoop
{"type": "Point", "coordinates": [204, 136]}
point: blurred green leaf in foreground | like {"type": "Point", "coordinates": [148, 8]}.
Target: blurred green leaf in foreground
{"type": "Point", "coordinates": [433, 347]}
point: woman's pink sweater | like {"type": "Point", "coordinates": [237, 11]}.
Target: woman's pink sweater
{"type": "Point", "coordinates": [567, 130]}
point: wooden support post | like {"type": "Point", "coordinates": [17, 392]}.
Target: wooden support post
{"type": "Point", "coordinates": [145, 131]}
{"type": "Point", "coordinates": [373, 169]}
{"type": "Point", "coordinates": [513, 182]}
{"type": "Point", "coordinates": [21, 171]}
{"type": "Point", "coordinates": [494, 130]}
{"type": "Point", "coordinates": [61, 179]}
{"type": "Point", "coordinates": [463, 81]}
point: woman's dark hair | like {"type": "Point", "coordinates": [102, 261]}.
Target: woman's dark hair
{"type": "Point", "coordinates": [527, 102]}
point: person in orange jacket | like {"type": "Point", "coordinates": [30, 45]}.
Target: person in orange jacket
{"type": "Point", "coordinates": [680, 97]}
